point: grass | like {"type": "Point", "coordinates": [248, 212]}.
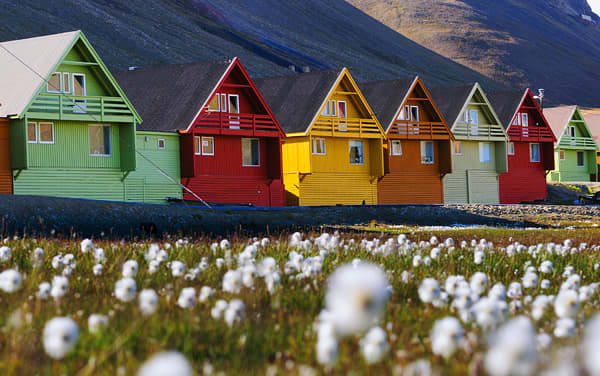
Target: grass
{"type": "Point", "coordinates": [278, 331]}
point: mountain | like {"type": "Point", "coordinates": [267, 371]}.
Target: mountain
{"type": "Point", "coordinates": [268, 35]}
{"type": "Point", "coordinates": [532, 43]}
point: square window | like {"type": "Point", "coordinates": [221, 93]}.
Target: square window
{"type": "Point", "coordinates": [396, 148]}
{"type": "Point", "coordinates": [485, 152]}
{"type": "Point", "coordinates": [32, 133]}
{"type": "Point", "coordinates": [250, 152]}
{"type": "Point", "coordinates": [214, 104]}
{"type": "Point", "coordinates": [161, 144]}
{"type": "Point", "coordinates": [561, 154]}
{"type": "Point", "coordinates": [580, 159]}
{"type": "Point", "coordinates": [53, 84]}
{"type": "Point", "coordinates": [457, 148]}
{"type": "Point", "coordinates": [46, 133]}
{"type": "Point", "coordinates": [534, 152]}
{"type": "Point", "coordinates": [100, 140]}
{"type": "Point", "coordinates": [318, 146]}
{"type": "Point", "coordinates": [427, 156]}
{"type": "Point", "coordinates": [356, 150]}
{"type": "Point", "coordinates": [510, 148]}
{"type": "Point", "coordinates": [208, 146]}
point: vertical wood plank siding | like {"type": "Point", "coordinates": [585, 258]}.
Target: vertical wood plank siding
{"type": "Point", "coordinates": [340, 188]}
{"type": "Point", "coordinates": [5, 168]}
{"type": "Point", "coordinates": [525, 181]}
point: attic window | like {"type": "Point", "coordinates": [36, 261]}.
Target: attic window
{"type": "Point", "coordinates": [66, 83]}
{"type": "Point", "coordinates": [53, 85]}
{"type": "Point", "coordinates": [329, 109]}
{"type": "Point", "coordinates": [214, 104]}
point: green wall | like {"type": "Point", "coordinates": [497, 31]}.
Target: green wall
{"type": "Point", "coordinates": [569, 171]}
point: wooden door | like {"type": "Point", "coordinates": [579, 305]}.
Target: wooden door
{"type": "Point", "coordinates": [5, 170]}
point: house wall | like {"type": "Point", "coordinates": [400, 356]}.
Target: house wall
{"type": "Point", "coordinates": [525, 180]}
{"type": "Point", "coordinates": [5, 167]}
{"type": "Point", "coordinates": [568, 169]}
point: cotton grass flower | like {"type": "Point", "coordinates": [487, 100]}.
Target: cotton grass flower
{"type": "Point", "coordinates": [591, 344]}
{"type": "Point", "coordinates": [43, 292]}
{"type": "Point", "coordinates": [147, 301]}
{"type": "Point", "coordinates": [235, 312]}
{"type": "Point", "coordinates": [187, 298]}
{"type": "Point", "coordinates": [478, 257]}
{"type": "Point", "coordinates": [564, 328]}
{"type": "Point", "coordinates": [130, 269]}
{"type": "Point", "coordinates": [446, 336]}
{"type": "Point", "coordinates": [86, 245]}
{"type": "Point", "coordinates": [513, 349]}
{"type": "Point", "coordinates": [219, 309]}
{"type": "Point", "coordinates": [177, 269]}
{"type": "Point", "coordinates": [5, 253]}
{"type": "Point", "coordinates": [206, 293]}
{"type": "Point", "coordinates": [374, 345]}
{"type": "Point", "coordinates": [60, 285]}
{"type": "Point", "coordinates": [37, 257]}
{"type": "Point", "coordinates": [125, 289]}
{"type": "Point", "coordinates": [97, 269]}
{"type": "Point", "coordinates": [96, 322]}
{"type": "Point", "coordinates": [232, 281]}
{"type": "Point", "coordinates": [169, 363]}
{"type": "Point", "coordinates": [429, 290]}
{"type": "Point", "coordinates": [60, 336]}
{"type": "Point", "coordinates": [566, 304]}
{"type": "Point", "coordinates": [10, 281]}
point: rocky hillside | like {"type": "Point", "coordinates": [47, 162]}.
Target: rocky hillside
{"type": "Point", "coordinates": [533, 43]}
{"type": "Point", "coordinates": [268, 35]}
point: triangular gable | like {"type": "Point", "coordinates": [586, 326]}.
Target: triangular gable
{"type": "Point", "coordinates": [529, 101]}
{"type": "Point", "coordinates": [581, 123]}
{"type": "Point", "coordinates": [477, 97]}
{"type": "Point", "coordinates": [561, 117]}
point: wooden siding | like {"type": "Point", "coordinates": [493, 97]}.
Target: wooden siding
{"type": "Point", "coordinates": [18, 143]}
{"type": "Point", "coordinates": [5, 167]}
{"type": "Point", "coordinates": [524, 181]}
{"type": "Point", "coordinates": [236, 190]}
{"type": "Point", "coordinates": [338, 189]}
{"type": "Point", "coordinates": [489, 127]}
{"type": "Point", "coordinates": [567, 170]}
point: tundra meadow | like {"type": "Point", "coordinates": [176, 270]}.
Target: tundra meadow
{"type": "Point", "coordinates": [491, 302]}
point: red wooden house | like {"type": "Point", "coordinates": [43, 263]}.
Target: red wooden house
{"type": "Point", "coordinates": [230, 140]}
{"type": "Point", "coordinates": [530, 149]}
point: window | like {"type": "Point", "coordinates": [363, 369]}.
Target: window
{"type": "Point", "coordinates": [329, 109]}
{"type": "Point", "coordinates": [571, 131]}
{"type": "Point", "coordinates": [32, 133]}
{"type": "Point", "coordinates": [473, 117]}
{"type": "Point", "coordinates": [525, 120]}
{"type": "Point", "coordinates": [46, 131]}
{"type": "Point", "coordinates": [250, 152]}
{"type": "Point", "coordinates": [534, 152]}
{"type": "Point", "coordinates": [511, 148]}
{"type": "Point", "coordinates": [208, 146]}
{"type": "Point", "coordinates": [402, 114]}
{"type": "Point", "coordinates": [580, 158]}
{"type": "Point", "coordinates": [215, 104]}
{"type": "Point", "coordinates": [427, 152]}
{"type": "Point", "coordinates": [342, 115]}
{"type": "Point", "coordinates": [66, 83]}
{"type": "Point", "coordinates": [517, 119]}
{"type": "Point", "coordinates": [223, 102]}
{"type": "Point", "coordinates": [357, 156]}
{"type": "Point", "coordinates": [485, 152]}
{"type": "Point", "coordinates": [53, 85]}
{"type": "Point", "coordinates": [197, 145]}
{"type": "Point", "coordinates": [457, 148]}
{"type": "Point", "coordinates": [318, 146]}
{"type": "Point", "coordinates": [396, 148]}
{"type": "Point", "coordinates": [561, 154]}
{"type": "Point", "coordinates": [414, 113]}
{"type": "Point", "coordinates": [161, 144]}
{"type": "Point", "coordinates": [100, 140]}
{"type": "Point", "coordinates": [80, 91]}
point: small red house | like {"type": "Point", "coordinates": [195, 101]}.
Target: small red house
{"type": "Point", "coordinates": [230, 141]}
{"type": "Point", "coordinates": [530, 148]}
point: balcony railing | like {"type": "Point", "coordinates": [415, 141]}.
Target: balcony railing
{"type": "Point", "coordinates": [520, 133]}
{"type": "Point", "coordinates": [419, 130]}
{"type": "Point", "coordinates": [587, 143]}
{"type": "Point", "coordinates": [345, 127]}
{"type": "Point", "coordinates": [237, 124]}
{"type": "Point", "coordinates": [479, 131]}
{"type": "Point", "coordinates": [88, 108]}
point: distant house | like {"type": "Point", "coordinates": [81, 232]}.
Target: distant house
{"type": "Point", "coordinates": [479, 149]}
{"type": "Point", "coordinates": [592, 120]}
{"type": "Point", "coordinates": [230, 141]}
{"type": "Point", "coordinates": [72, 129]}
{"type": "Point", "coordinates": [417, 153]}
{"type": "Point", "coordinates": [332, 153]}
{"type": "Point", "coordinates": [530, 149]}
{"type": "Point", "coordinates": [575, 149]}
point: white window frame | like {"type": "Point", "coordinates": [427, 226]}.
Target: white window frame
{"type": "Point", "coordinates": [60, 83]}
{"type": "Point", "coordinates": [412, 118]}
{"type": "Point", "coordinates": [454, 143]}
{"type": "Point", "coordinates": [164, 144]}
{"type": "Point", "coordinates": [577, 160]}
{"type": "Point", "coordinates": [574, 133]}
{"type": "Point", "coordinates": [471, 117]}
{"type": "Point", "coordinates": [531, 152]}
{"type": "Point", "coordinates": [212, 140]}
{"type": "Point", "coordinates": [218, 97]}
{"type": "Point", "coordinates": [110, 149]}
{"type": "Point", "coordinates": [223, 104]}
{"type": "Point", "coordinates": [510, 148]}
{"type": "Point", "coordinates": [362, 159]}
{"type": "Point", "coordinates": [251, 165]}
{"type": "Point", "coordinates": [517, 120]}
{"type": "Point", "coordinates": [481, 152]}
{"type": "Point", "coordinates": [397, 142]}
{"type": "Point", "coordinates": [330, 108]}
{"type": "Point", "coordinates": [424, 149]}
{"type": "Point", "coordinates": [314, 144]}
{"type": "Point", "coordinates": [402, 114]}
{"type": "Point", "coordinates": [79, 105]}
{"type": "Point", "coordinates": [562, 155]}
{"type": "Point", "coordinates": [35, 132]}
{"type": "Point", "coordinates": [39, 132]}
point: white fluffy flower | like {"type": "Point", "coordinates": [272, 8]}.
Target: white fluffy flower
{"type": "Point", "coordinates": [566, 304]}
{"type": "Point", "coordinates": [416, 261]}
{"type": "Point", "coordinates": [514, 291]}
{"type": "Point", "coordinates": [99, 255]}
{"type": "Point", "coordinates": [497, 292]}
{"type": "Point", "coordinates": [546, 267]}
{"type": "Point", "coordinates": [130, 269]}
{"type": "Point", "coordinates": [38, 257]}
{"type": "Point", "coordinates": [5, 253]}
{"type": "Point", "coordinates": [356, 297]}
{"type": "Point", "coordinates": [86, 245]}
{"type": "Point", "coordinates": [224, 244]}
{"type": "Point", "coordinates": [60, 336]}
{"type": "Point", "coordinates": [177, 269]}
{"type": "Point", "coordinates": [513, 349]}
{"type": "Point", "coordinates": [125, 289]}
{"type": "Point", "coordinates": [206, 294]}
{"type": "Point", "coordinates": [169, 363]}
{"type": "Point", "coordinates": [44, 290]}
{"type": "Point", "coordinates": [219, 309]}
{"type": "Point", "coordinates": [429, 290]}
{"type": "Point", "coordinates": [591, 344]}
{"type": "Point", "coordinates": [187, 298]}
{"type": "Point", "coordinates": [530, 280]}
{"type": "Point", "coordinates": [235, 312]}
{"type": "Point", "coordinates": [478, 257]}
{"type": "Point", "coordinates": [478, 283]}
{"type": "Point", "coordinates": [327, 345]}
{"type": "Point", "coordinates": [10, 280]}
{"type": "Point", "coordinates": [60, 284]}
{"type": "Point", "coordinates": [267, 266]}
{"type": "Point", "coordinates": [446, 336]}
{"type": "Point", "coordinates": [232, 281]}
{"type": "Point", "coordinates": [97, 269]}
{"type": "Point", "coordinates": [153, 266]}
{"type": "Point", "coordinates": [545, 284]}
{"type": "Point", "coordinates": [147, 301]}
{"type": "Point", "coordinates": [374, 345]}
{"type": "Point", "coordinates": [487, 312]}
{"type": "Point", "coordinates": [248, 274]}
{"type": "Point", "coordinates": [96, 322]}
{"type": "Point", "coordinates": [564, 327]}
{"type": "Point", "coordinates": [435, 253]}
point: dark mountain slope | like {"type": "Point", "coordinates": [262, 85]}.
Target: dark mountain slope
{"type": "Point", "coordinates": [268, 35]}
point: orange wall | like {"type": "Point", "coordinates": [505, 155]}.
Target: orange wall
{"type": "Point", "coordinates": [5, 170]}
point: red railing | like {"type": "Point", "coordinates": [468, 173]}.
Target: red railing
{"type": "Point", "coordinates": [418, 130]}
{"type": "Point", "coordinates": [532, 133]}
{"type": "Point", "coordinates": [237, 124]}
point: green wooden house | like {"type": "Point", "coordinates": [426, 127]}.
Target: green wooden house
{"type": "Point", "coordinates": [72, 128]}
{"type": "Point", "coordinates": [575, 149]}
{"type": "Point", "coordinates": [479, 149]}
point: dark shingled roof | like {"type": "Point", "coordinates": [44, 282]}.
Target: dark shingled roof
{"type": "Point", "coordinates": [386, 97]}
{"type": "Point", "coordinates": [450, 100]}
{"type": "Point", "coordinates": [506, 104]}
{"type": "Point", "coordinates": [296, 99]}
{"type": "Point", "coordinates": [169, 97]}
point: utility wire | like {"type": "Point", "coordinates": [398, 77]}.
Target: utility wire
{"type": "Point", "coordinates": [83, 109]}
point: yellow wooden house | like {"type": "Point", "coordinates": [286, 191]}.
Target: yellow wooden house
{"type": "Point", "coordinates": [333, 149]}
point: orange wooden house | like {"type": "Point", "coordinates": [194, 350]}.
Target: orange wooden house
{"type": "Point", "coordinates": [417, 154]}
{"type": "Point", "coordinates": [5, 168]}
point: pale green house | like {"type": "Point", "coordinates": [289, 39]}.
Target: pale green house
{"type": "Point", "coordinates": [575, 148]}
{"type": "Point", "coordinates": [479, 149]}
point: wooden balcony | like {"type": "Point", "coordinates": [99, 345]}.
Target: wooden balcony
{"type": "Point", "coordinates": [224, 123]}
{"type": "Point", "coordinates": [479, 132]}
{"type": "Point", "coordinates": [87, 108]}
{"type": "Point", "coordinates": [531, 134]}
{"type": "Point", "coordinates": [345, 127]}
{"type": "Point", "coordinates": [581, 143]}
{"type": "Point", "coordinates": [404, 129]}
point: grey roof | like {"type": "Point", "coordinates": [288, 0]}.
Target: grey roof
{"type": "Point", "coordinates": [296, 99]}
{"type": "Point", "coordinates": [386, 97]}
{"type": "Point", "coordinates": [450, 100]}
{"type": "Point", "coordinates": [506, 104]}
{"type": "Point", "coordinates": [169, 97]}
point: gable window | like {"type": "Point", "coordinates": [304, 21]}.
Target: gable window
{"type": "Point", "coordinates": [342, 114]}
{"type": "Point", "coordinates": [32, 132]}
{"type": "Point", "coordinates": [525, 124]}
{"type": "Point", "coordinates": [473, 117]}
{"type": "Point", "coordinates": [66, 83]}
{"type": "Point", "coordinates": [161, 144]}
{"type": "Point", "coordinates": [79, 90]}
{"type": "Point", "coordinates": [250, 152]}
{"type": "Point", "coordinates": [215, 103]}
{"type": "Point", "coordinates": [403, 113]}
{"type": "Point", "coordinates": [561, 154]}
{"type": "Point", "coordinates": [414, 113]}
{"type": "Point", "coordinates": [396, 148]}
{"type": "Point", "coordinates": [517, 120]}
{"type": "Point", "coordinates": [223, 103]}
{"type": "Point", "coordinates": [329, 109]}
{"type": "Point", "coordinates": [427, 152]}
{"type": "Point", "coordinates": [534, 152]}
{"type": "Point", "coordinates": [318, 146]}
{"type": "Point", "coordinates": [510, 148]}
{"type": "Point", "coordinates": [580, 158]}
{"type": "Point", "coordinates": [571, 131]}
{"type": "Point", "coordinates": [100, 140]}
{"type": "Point", "coordinates": [485, 152]}
{"type": "Point", "coordinates": [357, 156]}
{"type": "Point", "coordinates": [457, 148]}
{"type": "Point", "coordinates": [46, 131]}
{"type": "Point", "coordinates": [53, 84]}
{"type": "Point", "coordinates": [234, 108]}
